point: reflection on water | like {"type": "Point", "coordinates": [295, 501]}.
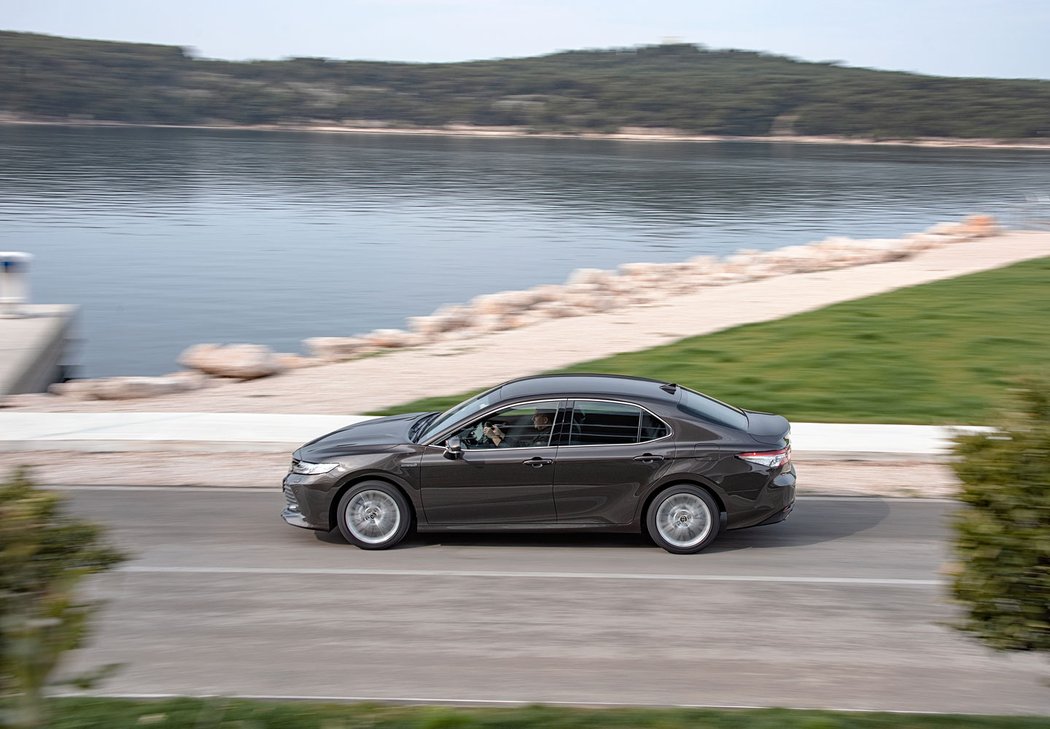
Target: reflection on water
{"type": "Point", "coordinates": [172, 237]}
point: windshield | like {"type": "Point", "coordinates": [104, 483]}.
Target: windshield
{"type": "Point", "coordinates": [473, 405]}
{"type": "Point", "coordinates": [422, 422]}
{"type": "Point", "coordinates": [707, 408]}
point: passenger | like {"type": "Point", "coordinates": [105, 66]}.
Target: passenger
{"type": "Point", "coordinates": [540, 432]}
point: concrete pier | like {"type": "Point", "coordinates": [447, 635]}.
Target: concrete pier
{"type": "Point", "coordinates": [34, 347]}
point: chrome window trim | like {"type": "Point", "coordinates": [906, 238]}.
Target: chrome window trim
{"type": "Point", "coordinates": [670, 430]}
{"type": "Point", "coordinates": [559, 407]}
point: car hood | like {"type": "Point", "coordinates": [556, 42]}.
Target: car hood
{"type": "Point", "coordinates": [359, 438]}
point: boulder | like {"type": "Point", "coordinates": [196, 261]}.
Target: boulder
{"type": "Point", "coordinates": [493, 304]}
{"type": "Point", "coordinates": [545, 293]}
{"type": "Point", "coordinates": [980, 226]}
{"type": "Point", "coordinates": [390, 339]}
{"type": "Point", "coordinates": [445, 319]}
{"type": "Point", "coordinates": [950, 230]}
{"type": "Point", "coordinates": [591, 276]}
{"type": "Point", "coordinates": [336, 349]}
{"type": "Point", "coordinates": [292, 361]}
{"type": "Point", "coordinates": [129, 388]}
{"type": "Point", "coordinates": [238, 361]}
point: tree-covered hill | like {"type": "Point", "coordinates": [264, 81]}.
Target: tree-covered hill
{"type": "Point", "coordinates": [680, 86]}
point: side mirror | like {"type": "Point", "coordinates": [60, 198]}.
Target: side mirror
{"type": "Point", "coordinates": [453, 448]}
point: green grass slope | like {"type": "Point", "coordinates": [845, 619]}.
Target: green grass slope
{"type": "Point", "coordinates": [945, 352]}
{"type": "Point", "coordinates": [215, 713]}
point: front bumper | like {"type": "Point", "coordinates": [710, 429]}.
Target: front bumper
{"type": "Point", "coordinates": [307, 501]}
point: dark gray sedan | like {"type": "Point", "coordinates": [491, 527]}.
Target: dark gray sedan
{"type": "Point", "coordinates": [565, 452]}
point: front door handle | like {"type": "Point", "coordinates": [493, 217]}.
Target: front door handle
{"type": "Point", "coordinates": [648, 458]}
{"type": "Point", "coordinates": [538, 462]}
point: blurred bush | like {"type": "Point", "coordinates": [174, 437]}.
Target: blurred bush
{"type": "Point", "coordinates": [1003, 534]}
{"type": "Point", "coordinates": [44, 554]}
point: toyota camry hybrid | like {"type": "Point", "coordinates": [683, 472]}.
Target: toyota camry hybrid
{"type": "Point", "coordinates": [565, 452]}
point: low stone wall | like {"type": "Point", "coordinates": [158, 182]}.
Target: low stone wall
{"type": "Point", "coordinates": [587, 291]}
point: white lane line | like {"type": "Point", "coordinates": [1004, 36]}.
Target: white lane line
{"type": "Point", "coordinates": [348, 572]}
{"type": "Point", "coordinates": [479, 702]}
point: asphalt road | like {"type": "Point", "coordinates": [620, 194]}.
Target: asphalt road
{"type": "Point", "coordinates": [842, 606]}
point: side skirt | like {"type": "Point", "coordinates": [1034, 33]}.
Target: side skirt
{"type": "Point", "coordinates": [528, 527]}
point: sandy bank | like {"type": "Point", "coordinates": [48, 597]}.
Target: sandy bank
{"type": "Point", "coordinates": [627, 134]}
{"type": "Point", "coordinates": [907, 479]}
{"type": "Point", "coordinates": [454, 366]}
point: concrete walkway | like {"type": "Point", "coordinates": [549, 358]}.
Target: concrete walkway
{"type": "Point", "coordinates": [211, 432]}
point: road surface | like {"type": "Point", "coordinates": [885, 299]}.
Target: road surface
{"type": "Point", "coordinates": [842, 607]}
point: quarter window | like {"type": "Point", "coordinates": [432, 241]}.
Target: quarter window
{"type": "Point", "coordinates": [610, 423]}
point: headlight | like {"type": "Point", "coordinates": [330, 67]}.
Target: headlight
{"type": "Point", "coordinates": [312, 469]}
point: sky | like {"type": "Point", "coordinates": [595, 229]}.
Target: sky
{"type": "Point", "coordinates": [1002, 39]}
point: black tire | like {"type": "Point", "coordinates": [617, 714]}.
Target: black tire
{"type": "Point", "coordinates": [683, 519]}
{"type": "Point", "coordinates": [374, 515]}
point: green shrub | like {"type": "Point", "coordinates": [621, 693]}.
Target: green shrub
{"type": "Point", "coordinates": [1003, 534]}
{"type": "Point", "coordinates": [43, 556]}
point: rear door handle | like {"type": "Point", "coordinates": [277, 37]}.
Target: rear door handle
{"type": "Point", "coordinates": [648, 458]}
{"type": "Point", "coordinates": [538, 462]}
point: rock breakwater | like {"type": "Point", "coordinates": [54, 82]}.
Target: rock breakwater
{"type": "Point", "coordinates": [587, 291]}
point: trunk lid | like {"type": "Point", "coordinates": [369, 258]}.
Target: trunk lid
{"type": "Point", "coordinates": [768, 429]}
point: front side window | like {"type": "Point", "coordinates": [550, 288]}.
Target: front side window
{"type": "Point", "coordinates": [478, 402]}
{"type": "Point", "coordinates": [610, 423]}
{"type": "Point", "coordinates": [520, 426]}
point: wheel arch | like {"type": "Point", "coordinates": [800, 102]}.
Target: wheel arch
{"type": "Point", "coordinates": [722, 513]}
{"type": "Point", "coordinates": [351, 481]}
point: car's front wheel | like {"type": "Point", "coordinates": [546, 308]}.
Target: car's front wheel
{"type": "Point", "coordinates": [683, 519]}
{"type": "Point", "coordinates": [374, 515]}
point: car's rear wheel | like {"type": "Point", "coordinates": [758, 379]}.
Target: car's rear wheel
{"type": "Point", "coordinates": [374, 515]}
{"type": "Point", "coordinates": [683, 519]}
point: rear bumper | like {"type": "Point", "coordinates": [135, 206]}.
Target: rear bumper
{"type": "Point", "coordinates": [779, 516]}
{"type": "Point", "coordinates": [783, 490]}
{"type": "Point", "coordinates": [770, 505]}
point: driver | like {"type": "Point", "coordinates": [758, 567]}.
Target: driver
{"type": "Point", "coordinates": [538, 435]}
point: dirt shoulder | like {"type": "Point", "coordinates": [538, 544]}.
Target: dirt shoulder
{"type": "Point", "coordinates": [822, 477]}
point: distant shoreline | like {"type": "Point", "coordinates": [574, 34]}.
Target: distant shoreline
{"type": "Point", "coordinates": [627, 134]}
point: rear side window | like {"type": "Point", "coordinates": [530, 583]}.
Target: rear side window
{"type": "Point", "coordinates": [707, 408]}
{"type": "Point", "coordinates": [610, 423]}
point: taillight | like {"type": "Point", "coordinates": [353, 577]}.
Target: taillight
{"type": "Point", "coordinates": [769, 459]}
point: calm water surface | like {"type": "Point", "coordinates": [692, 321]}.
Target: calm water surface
{"type": "Point", "coordinates": [167, 238]}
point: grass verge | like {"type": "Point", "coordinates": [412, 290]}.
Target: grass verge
{"type": "Point", "coordinates": [215, 713]}
{"type": "Point", "coordinates": [944, 352]}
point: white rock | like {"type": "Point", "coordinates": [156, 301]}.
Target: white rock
{"type": "Point", "coordinates": [390, 339]}
{"type": "Point", "coordinates": [127, 388]}
{"type": "Point", "coordinates": [429, 326]}
{"type": "Point", "coordinates": [547, 292]}
{"type": "Point", "coordinates": [979, 226]}
{"type": "Point", "coordinates": [239, 361]}
{"type": "Point", "coordinates": [292, 361]}
{"type": "Point", "coordinates": [492, 304]}
{"type": "Point", "coordinates": [336, 349]}
{"type": "Point", "coordinates": [947, 229]}
{"type": "Point", "coordinates": [593, 276]}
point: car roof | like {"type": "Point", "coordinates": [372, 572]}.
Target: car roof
{"type": "Point", "coordinates": [588, 385]}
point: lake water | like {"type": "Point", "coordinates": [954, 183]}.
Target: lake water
{"type": "Point", "coordinates": [168, 237]}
